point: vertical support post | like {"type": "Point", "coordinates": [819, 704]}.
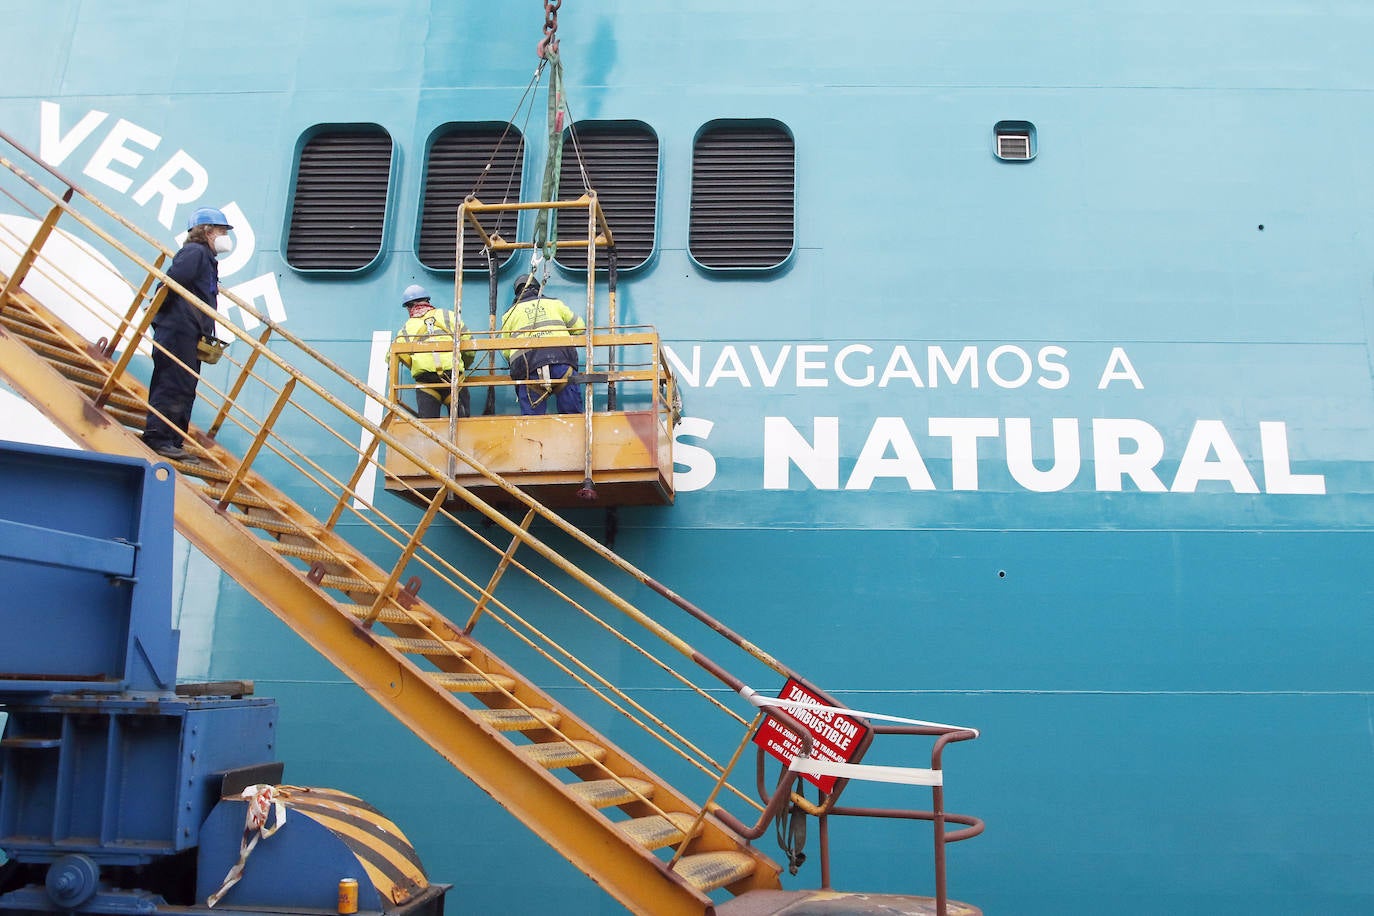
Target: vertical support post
{"type": "Point", "coordinates": [490, 355]}
{"type": "Point", "coordinates": [501, 567]}
{"type": "Point", "coordinates": [30, 255]}
{"type": "Point", "coordinates": [384, 593]}
{"type": "Point", "coordinates": [691, 831]}
{"type": "Point", "coordinates": [610, 306]}
{"type": "Point", "coordinates": [824, 820]}
{"type": "Point", "coordinates": [588, 491]}
{"type": "Point", "coordinates": [140, 332]}
{"type": "Point", "coordinates": [457, 323]}
{"type": "Point", "coordinates": [938, 810]}
{"type": "Point", "coordinates": [937, 807]}
{"type": "Point", "coordinates": [241, 471]}
{"type": "Point", "coordinates": [244, 374]}
{"type": "Point", "coordinates": [364, 458]}
{"type": "Point", "coordinates": [142, 294]}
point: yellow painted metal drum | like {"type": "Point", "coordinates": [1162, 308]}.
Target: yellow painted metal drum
{"type": "Point", "coordinates": [318, 849]}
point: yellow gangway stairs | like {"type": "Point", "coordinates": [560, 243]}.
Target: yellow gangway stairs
{"type": "Point", "coordinates": [287, 449]}
{"type": "Point", "coordinates": [600, 808]}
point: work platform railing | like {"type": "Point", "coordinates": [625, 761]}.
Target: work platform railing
{"type": "Point", "coordinates": [277, 499]}
{"type": "Point", "coordinates": [618, 451]}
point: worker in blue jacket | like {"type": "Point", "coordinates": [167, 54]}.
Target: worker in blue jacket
{"type": "Point", "coordinates": [178, 328]}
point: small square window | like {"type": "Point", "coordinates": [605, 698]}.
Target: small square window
{"type": "Point", "coordinates": [1015, 140]}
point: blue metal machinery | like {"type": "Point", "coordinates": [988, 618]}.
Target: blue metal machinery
{"type": "Point", "coordinates": [120, 792]}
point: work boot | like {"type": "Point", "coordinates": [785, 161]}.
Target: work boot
{"type": "Point", "coordinates": [176, 453]}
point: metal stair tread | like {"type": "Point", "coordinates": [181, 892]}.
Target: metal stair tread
{"type": "Point", "coordinates": [658, 830]}
{"type": "Point", "coordinates": [472, 683]}
{"type": "Point", "coordinates": [209, 472]}
{"type": "Point", "coordinates": [518, 720]}
{"type": "Point", "coordinates": [305, 552]}
{"type": "Point", "coordinates": [240, 498]}
{"type": "Point", "coordinates": [33, 333]}
{"type": "Point", "coordinates": [707, 871]}
{"type": "Point", "coordinates": [606, 793]}
{"type": "Point", "coordinates": [425, 646]}
{"type": "Point", "coordinates": [275, 525]}
{"type": "Point", "coordinates": [347, 584]}
{"type": "Point", "coordinates": [19, 313]}
{"type": "Point", "coordinates": [388, 616]}
{"type": "Point", "coordinates": [552, 755]}
{"type": "Point", "coordinates": [32, 329]}
{"type": "Point", "coordinates": [188, 468]}
{"type": "Point", "coordinates": [66, 356]}
{"type": "Point", "coordinates": [79, 375]}
{"type": "Point", "coordinates": [127, 416]}
{"type": "Point", "coordinates": [119, 397]}
{"type": "Point", "coordinates": [91, 381]}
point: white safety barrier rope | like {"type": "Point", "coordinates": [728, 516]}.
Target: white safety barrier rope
{"type": "Point", "coordinates": [262, 801]}
{"type": "Point", "coordinates": [911, 776]}
{"type": "Point", "coordinates": [758, 699]}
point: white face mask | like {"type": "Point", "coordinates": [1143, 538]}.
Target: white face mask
{"type": "Point", "coordinates": [223, 244]}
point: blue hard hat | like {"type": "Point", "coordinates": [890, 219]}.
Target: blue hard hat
{"type": "Point", "coordinates": [207, 216]}
{"type": "Point", "coordinates": [413, 291]}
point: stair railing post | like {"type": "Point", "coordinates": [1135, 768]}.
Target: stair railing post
{"type": "Point", "coordinates": [140, 332]}
{"type": "Point", "coordinates": [456, 367]}
{"type": "Point", "coordinates": [244, 374]}
{"type": "Point", "coordinates": [715, 791]}
{"type": "Point", "coordinates": [251, 454]}
{"type": "Point", "coordinates": [148, 281]}
{"type": "Point", "coordinates": [501, 567]}
{"type": "Point", "coordinates": [588, 490]}
{"type": "Point", "coordinates": [364, 458]}
{"type": "Point", "coordinates": [937, 807]}
{"type": "Point", "coordinates": [384, 593]}
{"type": "Point", "coordinates": [614, 351]}
{"type": "Point", "coordinates": [30, 255]}
{"type": "Point", "coordinates": [823, 820]}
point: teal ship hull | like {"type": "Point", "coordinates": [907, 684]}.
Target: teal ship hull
{"type": "Point", "coordinates": [1075, 448]}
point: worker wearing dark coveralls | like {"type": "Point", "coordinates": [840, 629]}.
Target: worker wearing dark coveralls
{"type": "Point", "coordinates": [433, 370]}
{"type": "Point", "coordinates": [178, 327]}
{"type": "Point", "coordinates": [533, 315]}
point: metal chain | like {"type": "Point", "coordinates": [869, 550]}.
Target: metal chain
{"type": "Point", "coordinates": [549, 41]}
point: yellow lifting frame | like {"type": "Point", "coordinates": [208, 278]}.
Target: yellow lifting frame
{"type": "Point", "coordinates": [598, 236]}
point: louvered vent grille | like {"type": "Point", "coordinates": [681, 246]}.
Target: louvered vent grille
{"type": "Point", "coordinates": [622, 167]}
{"type": "Point", "coordinates": [457, 161]}
{"type": "Point", "coordinates": [743, 196]}
{"type": "Point", "coordinates": [339, 207]}
{"type": "Point", "coordinates": [1013, 146]}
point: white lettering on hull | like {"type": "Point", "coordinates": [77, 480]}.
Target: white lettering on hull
{"type": "Point", "coordinates": [1127, 454]}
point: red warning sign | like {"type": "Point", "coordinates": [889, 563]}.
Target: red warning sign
{"type": "Point", "coordinates": [836, 737]}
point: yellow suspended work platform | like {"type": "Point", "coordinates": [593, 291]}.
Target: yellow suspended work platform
{"type": "Point", "coordinates": [617, 452]}
{"type": "Point", "coordinates": [274, 494]}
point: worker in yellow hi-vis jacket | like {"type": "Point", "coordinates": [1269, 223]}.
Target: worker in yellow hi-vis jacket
{"type": "Point", "coordinates": [433, 370]}
{"type": "Point", "coordinates": [545, 370]}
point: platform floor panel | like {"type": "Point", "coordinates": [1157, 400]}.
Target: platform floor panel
{"type": "Point", "coordinates": [632, 462]}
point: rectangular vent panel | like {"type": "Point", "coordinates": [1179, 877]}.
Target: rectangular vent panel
{"type": "Point", "coordinates": [458, 167]}
{"type": "Point", "coordinates": [743, 197]}
{"type": "Point", "coordinates": [622, 167]}
{"type": "Point", "coordinates": [338, 210]}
